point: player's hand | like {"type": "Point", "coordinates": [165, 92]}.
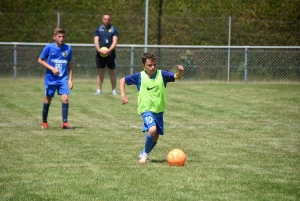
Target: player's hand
{"type": "Point", "coordinates": [180, 67]}
{"type": "Point", "coordinates": [55, 71]}
{"type": "Point", "coordinates": [70, 84]}
{"type": "Point", "coordinates": [124, 100]}
{"type": "Point", "coordinates": [103, 51]}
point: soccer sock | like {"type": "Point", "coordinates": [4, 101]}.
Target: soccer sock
{"type": "Point", "coordinates": [65, 110]}
{"type": "Point", "coordinates": [148, 143]}
{"type": "Point", "coordinates": [45, 112]}
{"type": "Point", "coordinates": [153, 145]}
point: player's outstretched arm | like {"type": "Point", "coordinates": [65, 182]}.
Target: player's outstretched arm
{"type": "Point", "coordinates": [179, 73]}
{"type": "Point", "coordinates": [122, 90]}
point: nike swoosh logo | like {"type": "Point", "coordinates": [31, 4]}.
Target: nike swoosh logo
{"type": "Point", "coordinates": [149, 88]}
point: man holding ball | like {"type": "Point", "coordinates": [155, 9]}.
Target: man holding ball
{"type": "Point", "coordinates": [105, 41]}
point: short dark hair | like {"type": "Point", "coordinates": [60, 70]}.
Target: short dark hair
{"type": "Point", "coordinates": [59, 30]}
{"type": "Point", "coordinates": [148, 55]}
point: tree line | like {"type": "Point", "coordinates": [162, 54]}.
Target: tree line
{"type": "Point", "coordinates": [189, 22]}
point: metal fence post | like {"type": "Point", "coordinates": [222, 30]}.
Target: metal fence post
{"type": "Point", "coordinates": [146, 24]}
{"type": "Point", "coordinates": [15, 61]}
{"type": "Point", "coordinates": [228, 59]}
{"type": "Point", "coordinates": [246, 65]}
{"type": "Point", "coordinates": [58, 18]}
{"type": "Point", "coordinates": [131, 60]}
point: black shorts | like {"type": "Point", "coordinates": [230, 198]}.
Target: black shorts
{"type": "Point", "coordinates": [109, 61]}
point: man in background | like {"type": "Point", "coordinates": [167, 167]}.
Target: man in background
{"type": "Point", "coordinates": [105, 41]}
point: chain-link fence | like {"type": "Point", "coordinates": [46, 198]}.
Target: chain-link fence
{"type": "Point", "coordinates": [202, 63]}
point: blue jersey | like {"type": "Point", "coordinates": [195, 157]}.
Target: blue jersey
{"type": "Point", "coordinates": [106, 35]}
{"type": "Point", "coordinates": [58, 57]}
{"type": "Point", "coordinates": [136, 78]}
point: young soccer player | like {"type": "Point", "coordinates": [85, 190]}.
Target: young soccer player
{"type": "Point", "coordinates": [151, 85]}
{"type": "Point", "coordinates": [56, 58]}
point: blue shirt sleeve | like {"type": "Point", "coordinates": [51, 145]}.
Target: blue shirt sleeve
{"type": "Point", "coordinates": [116, 32]}
{"type": "Point", "coordinates": [167, 76]}
{"type": "Point", "coordinates": [96, 32]}
{"type": "Point", "coordinates": [45, 52]}
{"type": "Point", "coordinates": [71, 53]}
{"type": "Point", "coordinates": [134, 79]}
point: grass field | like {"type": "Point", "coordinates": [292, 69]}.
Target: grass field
{"type": "Point", "coordinates": [242, 142]}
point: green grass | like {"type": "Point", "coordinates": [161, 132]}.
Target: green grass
{"type": "Point", "coordinates": [241, 140]}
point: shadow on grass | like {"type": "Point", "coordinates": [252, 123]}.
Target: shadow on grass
{"type": "Point", "coordinates": [75, 127]}
{"type": "Point", "coordinates": [159, 161]}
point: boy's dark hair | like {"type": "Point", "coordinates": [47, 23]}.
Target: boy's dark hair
{"type": "Point", "coordinates": [59, 30]}
{"type": "Point", "coordinates": [148, 55]}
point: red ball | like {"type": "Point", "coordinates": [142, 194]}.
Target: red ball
{"type": "Point", "coordinates": [176, 157]}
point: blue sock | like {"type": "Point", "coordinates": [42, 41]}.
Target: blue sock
{"type": "Point", "coordinates": [65, 110]}
{"type": "Point", "coordinates": [148, 143]}
{"type": "Point", "coordinates": [45, 112]}
{"type": "Point", "coordinates": [153, 145]}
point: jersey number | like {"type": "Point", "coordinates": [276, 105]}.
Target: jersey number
{"type": "Point", "coordinates": [149, 120]}
{"type": "Point", "coordinates": [59, 67]}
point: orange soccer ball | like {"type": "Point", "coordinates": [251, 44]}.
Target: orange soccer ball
{"type": "Point", "coordinates": [176, 157]}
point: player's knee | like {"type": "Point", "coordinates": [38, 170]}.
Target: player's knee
{"type": "Point", "coordinates": [152, 131]}
{"type": "Point", "coordinates": [47, 99]}
{"type": "Point", "coordinates": [64, 98]}
{"type": "Point", "coordinates": [111, 71]}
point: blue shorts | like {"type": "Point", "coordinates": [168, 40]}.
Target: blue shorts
{"type": "Point", "coordinates": [61, 89]}
{"type": "Point", "coordinates": [153, 119]}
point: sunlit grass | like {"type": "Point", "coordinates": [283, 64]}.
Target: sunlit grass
{"type": "Point", "coordinates": [241, 141]}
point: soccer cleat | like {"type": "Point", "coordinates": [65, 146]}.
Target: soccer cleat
{"type": "Point", "coordinates": [114, 92]}
{"type": "Point", "coordinates": [98, 92]}
{"type": "Point", "coordinates": [143, 158]}
{"type": "Point", "coordinates": [66, 126]}
{"type": "Point", "coordinates": [44, 125]}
